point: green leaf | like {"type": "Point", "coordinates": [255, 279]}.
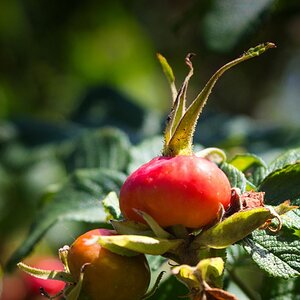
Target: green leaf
{"type": "Point", "coordinates": [292, 220]}
{"type": "Point", "coordinates": [102, 148]}
{"type": "Point", "coordinates": [244, 162]}
{"type": "Point", "coordinates": [251, 165]}
{"type": "Point", "coordinates": [137, 243]}
{"type": "Point", "coordinates": [282, 184]}
{"type": "Point", "coordinates": [80, 199]}
{"type": "Point", "coordinates": [111, 206]}
{"type": "Point", "coordinates": [236, 177]}
{"type": "Point", "coordinates": [144, 152]}
{"type": "Point", "coordinates": [257, 176]}
{"type": "Point", "coordinates": [277, 254]}
{"type": "Point", "coordinates": [288, 158]}
{"type": "Point", "coordinates": [233, 228]}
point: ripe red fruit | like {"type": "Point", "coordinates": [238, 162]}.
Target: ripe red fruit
{"type": "Point", "coordinates": [186, 190]}
{"type": "Point", "coordinates": [108, 276]}
{"type": "Point", "coordinates": [34, 284]}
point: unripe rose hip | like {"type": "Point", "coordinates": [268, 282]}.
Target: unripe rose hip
{"type": "Point", "coordinates": [107, 276]}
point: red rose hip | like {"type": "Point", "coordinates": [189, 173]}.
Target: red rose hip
{"type": "Point", "coordinates": [186, 190]}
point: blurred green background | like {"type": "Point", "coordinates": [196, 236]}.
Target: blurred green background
{"type": "Point", "coordinates": [53, 52]}
{"type": "Point", "coordinates": [67, 67]}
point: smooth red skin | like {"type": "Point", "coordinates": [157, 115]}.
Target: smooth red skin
{"type": "Point", "coordinates": [185, 190]}
{"type": "Point", "coordinates": [34, 284]}
{"type": "Point", "coordinates": [109, 276]}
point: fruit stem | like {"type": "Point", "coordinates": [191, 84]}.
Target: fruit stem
{"type": "Point", "coordinates": [180, 143]}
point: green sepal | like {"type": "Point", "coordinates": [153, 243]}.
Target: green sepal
{"type": "Point", "coordinates": [212, 270]}
{"type": "Point", "coordinates": [234, 228]}
{"type": "Point", "coordinates": [179, 104]}
{"type": "Point", "coordinates": [46, 274]}
{"type": "Point", "coordinates": [129, 227]}
{"type": "Point", "coordinates": [168, 73]}
{"type": "Point", "coordinates": [284, 207]}
{"type": "Point", "coordinates": [213, 154]}
{"type": "Point", "coordinates": [75, 291]}
{"type": "Point", "coordinates": [209, 270]}
{"type": "Point", "coordinates": [63, 256]}
{"type": "Point", "coordinates": [129, 245]}
{"type": "Point", "coordinates": [156, 228]}
{"type": "Point", "coordinates": [189, 275]}
{"type": "Point", "coordinates": [155, 286]}
{"type": "Point", "coordinates": [111, 206]}
{"type": "Point", "coordinates": [180, 143]}
{"type": "Point", "coordinates": [179, 231]}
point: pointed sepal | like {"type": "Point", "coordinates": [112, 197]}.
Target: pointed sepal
{"type": "Point", "coordinates": [155, 286]}
{"type": "Point", "coordinates": [46, 274]}
{"type": "Point", "coordinates": [129, 227]}
{"type": "Point", "coordinates": [180, 142]}
{"type": "Point", "coordinates": [168, 73]}
{"type": "Point", "coordinates": [130, 245]}
{"type": "Point", "coordinates": [74, 292]}
{"type": "Point", "coordinates": [155, 227]}
{"type": "Point", "coordinates": [179, 104]}
{"type": "Point", "coordinates": [235, 227]}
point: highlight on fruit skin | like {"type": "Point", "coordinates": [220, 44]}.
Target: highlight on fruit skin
{"type": "Point", "coordinates": [180, 190]}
